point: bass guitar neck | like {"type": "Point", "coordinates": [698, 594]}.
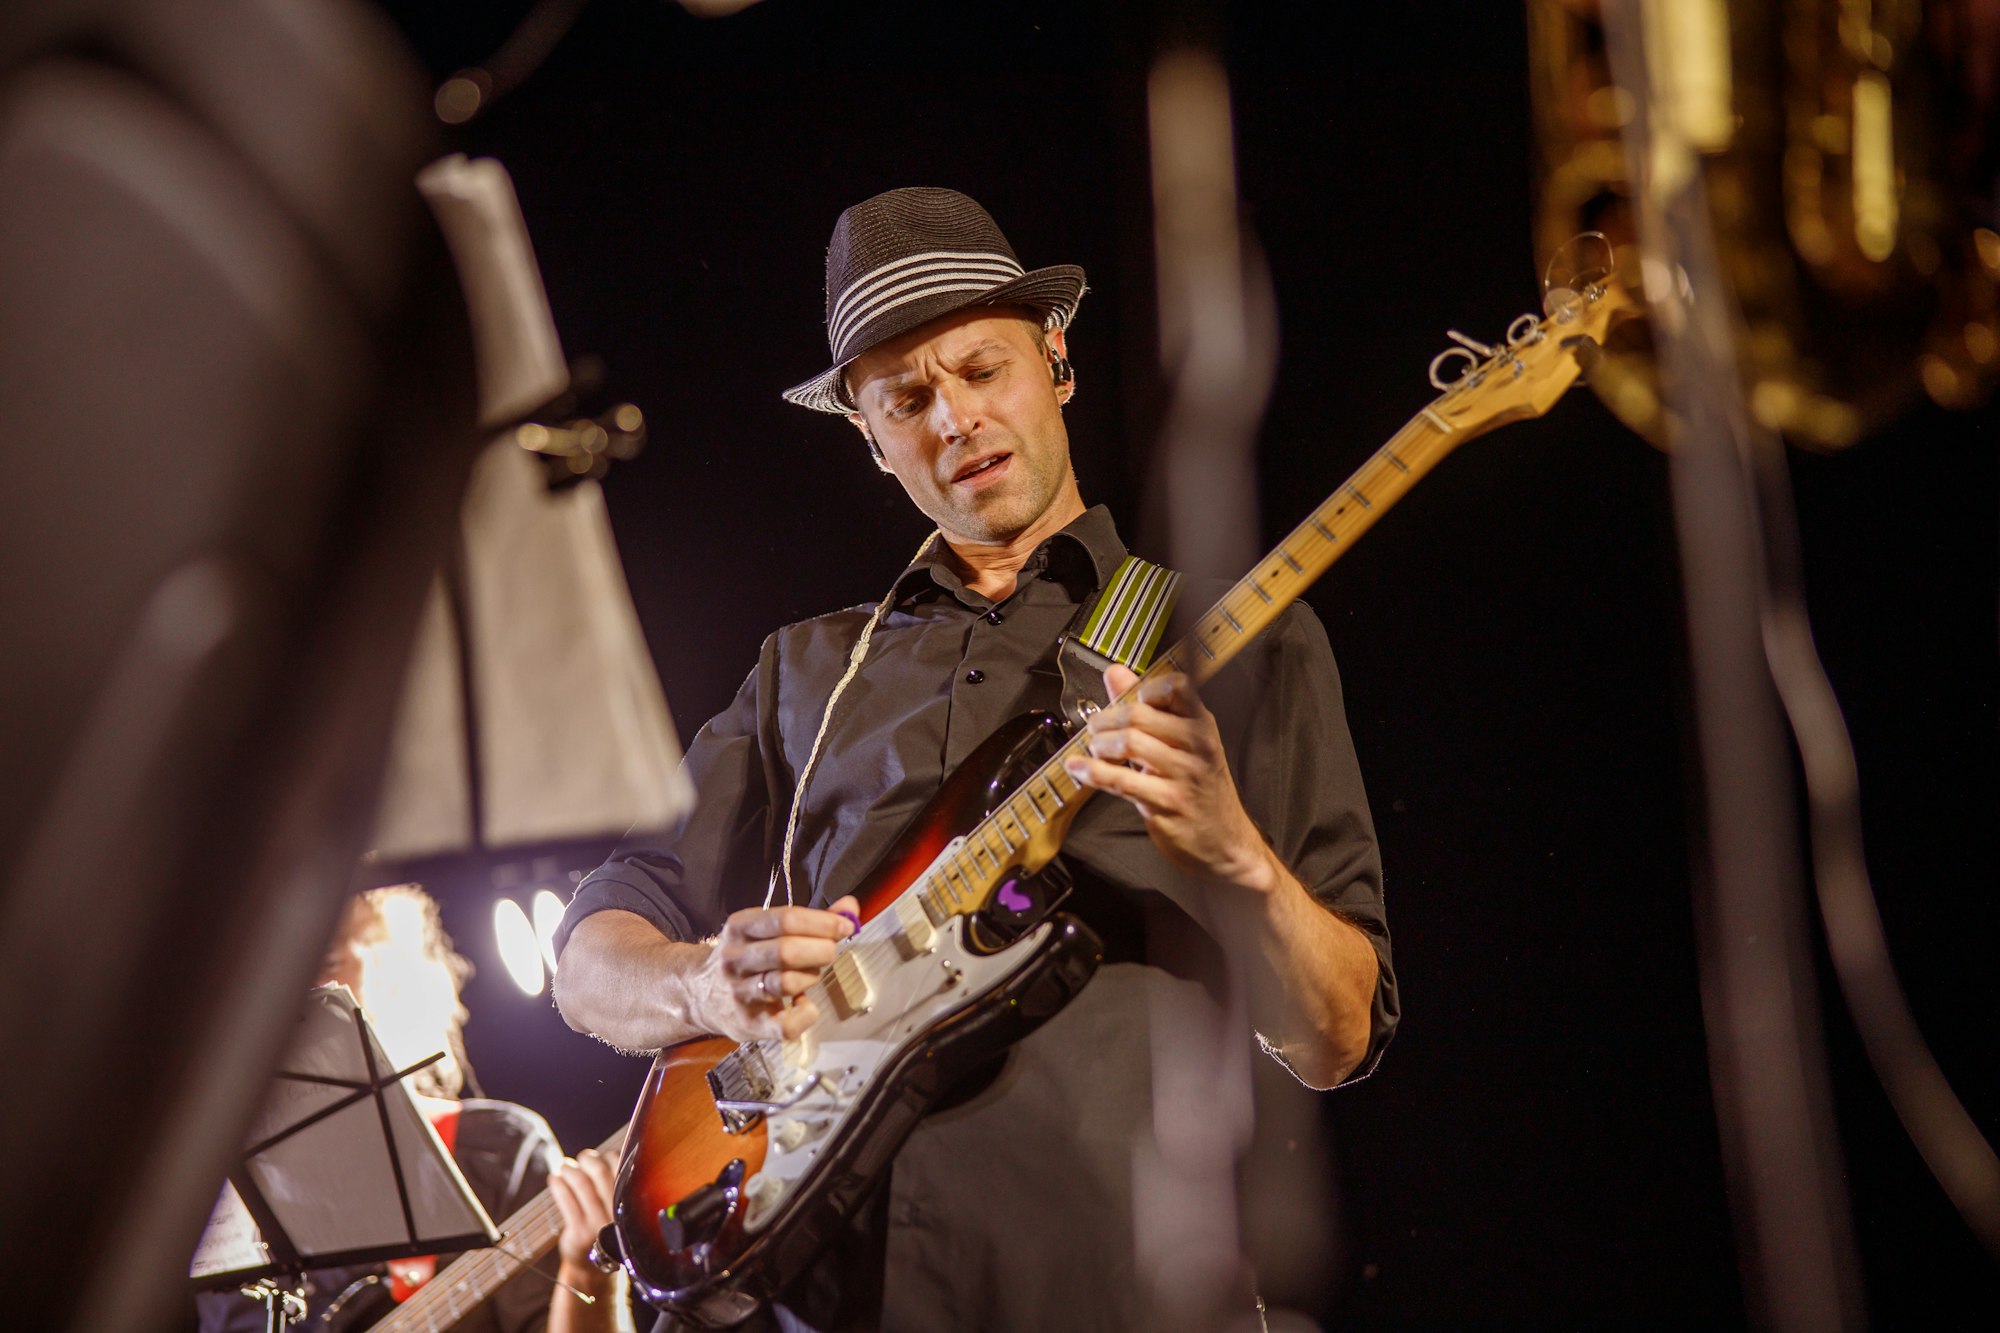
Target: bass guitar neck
{"type": "Point", "coordinates": [469, 1281]}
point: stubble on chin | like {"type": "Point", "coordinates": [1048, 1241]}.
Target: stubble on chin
{"type": "Point", "coordinates": [997, 515]}
{"type": "Point", "coordinates": [998, 519]}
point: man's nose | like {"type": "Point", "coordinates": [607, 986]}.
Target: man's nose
{"type": "Point", "coordinates": [956, 411]}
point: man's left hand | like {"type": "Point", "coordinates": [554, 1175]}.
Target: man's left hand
{"type": "Point", "coordinates": [1161, 751]}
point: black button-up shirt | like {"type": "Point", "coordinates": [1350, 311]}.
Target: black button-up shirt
{"type": "Point", "coordinates": [963, 1238]}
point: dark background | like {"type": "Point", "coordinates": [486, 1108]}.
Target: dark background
{"type": "Point", "coordinates": [1539, 1147]}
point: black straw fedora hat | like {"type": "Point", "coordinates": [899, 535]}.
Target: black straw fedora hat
{"type": "Point", "coordinates": [905, 257]}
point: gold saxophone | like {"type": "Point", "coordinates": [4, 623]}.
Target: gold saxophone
{"type": "Point", "coordinates": [1848, 154]}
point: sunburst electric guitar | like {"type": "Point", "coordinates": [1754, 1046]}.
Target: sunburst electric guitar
{"type": "Point", "coordinates": [742, 1159]}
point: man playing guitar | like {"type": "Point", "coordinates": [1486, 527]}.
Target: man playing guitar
{"type": "Point", "coordinates": [1012, 1207]}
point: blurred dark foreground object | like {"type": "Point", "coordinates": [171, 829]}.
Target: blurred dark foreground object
{"type": "Point", "coordinates": [236, 408]}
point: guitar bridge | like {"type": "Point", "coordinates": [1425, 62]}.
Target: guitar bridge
{"type": "Point", "coordinates": [746, 1090]}
{"type": "Point", "coordinates": [741, 1085]}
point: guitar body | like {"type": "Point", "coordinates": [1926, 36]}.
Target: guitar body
{"type": "Point", "coordinates": [717, 1210]}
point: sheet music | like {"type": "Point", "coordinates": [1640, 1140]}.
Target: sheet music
{"type": "Point", "coordinates": [231, 1240]}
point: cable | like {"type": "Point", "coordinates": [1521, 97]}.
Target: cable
{"type": "Point", "coordinates": [855, 657]}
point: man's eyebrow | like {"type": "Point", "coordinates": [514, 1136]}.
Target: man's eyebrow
{"type": "Point", "coordinates": [890, 383]}
{"type": "Point", "coordinates": [984, 347]}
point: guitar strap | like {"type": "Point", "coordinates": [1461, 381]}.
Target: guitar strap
{"type": "Point", "coordinates": [1123, 625]}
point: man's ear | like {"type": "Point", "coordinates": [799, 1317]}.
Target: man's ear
{"type": "Point", "coordinates": [1059, 365]}
{"type": "Point", "coordinates": [860, 423]}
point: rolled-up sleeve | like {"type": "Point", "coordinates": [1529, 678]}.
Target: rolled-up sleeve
{"type": "Point", "coordinates": [1302, 783]}
{"type": "Point", "coordinates": [687, 881]}
{"type": "Point", "coordinates": [1285, 731]}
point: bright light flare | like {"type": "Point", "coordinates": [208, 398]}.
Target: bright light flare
{"type": "Point", "coordinates": [548, 915]}
{"type": "Point", "coordinates": [410, 996]}
{"type": "Point", "coordinates": [519, 949]}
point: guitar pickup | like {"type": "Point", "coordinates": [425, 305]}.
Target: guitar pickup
{"type": "Point", "coordinates": [847, 985]}
{"type": "Point", "coordinates": [918, 936]}
{"type": "Point", "coordinates": [797, 1053]}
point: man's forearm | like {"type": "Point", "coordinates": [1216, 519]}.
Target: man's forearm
{"type": "Point", "coordinates": [622, 981]}
{"type": "Point", "coordinates": [1311, 975]}
{"type": "Point", "coordinates": [1314, 996]}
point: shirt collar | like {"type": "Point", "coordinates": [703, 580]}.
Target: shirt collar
{"type": "Point", "coordinates": [1083, 556]}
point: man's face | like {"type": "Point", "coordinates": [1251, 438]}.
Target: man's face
{"type": "Point", "coordinates": [967, 417]}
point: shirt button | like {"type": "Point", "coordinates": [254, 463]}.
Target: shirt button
{"type": "Point", "coordinates": [974, 676]}
{"type": "Point", "coordinates": [994, 617]}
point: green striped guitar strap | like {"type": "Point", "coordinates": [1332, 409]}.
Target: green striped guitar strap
{"type": "Point", "coordinates": [1124, 625]}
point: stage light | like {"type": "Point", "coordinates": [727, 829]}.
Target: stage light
{"type": "Point", "coordinates": [548, 915]}
{"type": "Point", "coordinates": [519, 949]}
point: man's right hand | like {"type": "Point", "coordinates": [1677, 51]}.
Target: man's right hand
{"type": "Point", "coordinates": [623, 980]}
{"type": "Point", "coordinates": [754, 982]}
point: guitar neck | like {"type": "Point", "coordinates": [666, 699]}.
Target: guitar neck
{"type": "Point", "coordinates": [1522, 379]}
{"type": "Point", "coordinates": [1309, 550]}
{"type": "Point", "coordinates": [469, 1281]}
{"type": "Point", "coordinates": [994, 850]}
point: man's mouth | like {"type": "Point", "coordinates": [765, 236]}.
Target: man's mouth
{"type": "Point", "coordinates": [981, 469]}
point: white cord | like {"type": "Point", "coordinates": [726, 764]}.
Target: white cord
{"type": "Point", "coordinates": [855, 657]}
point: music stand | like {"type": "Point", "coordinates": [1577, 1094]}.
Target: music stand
{"type": "Point", "coordinates": [341, 1168]}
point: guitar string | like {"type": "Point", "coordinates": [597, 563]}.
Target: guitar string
{"type": "Point", "coordinates": [981, 835]}
{"type": "Point", "coordinates": [1319, 530]}
{"type": "Point", "coordinates": [1385, 465]}
{"type": "Point", "coordinates": [1310, 549]}
{"type": "Point", "coordinates": [1426, 430]}
{"type": "Point", "coordinates": [540, 1220]}
{"type": "Point", "coordinates": [444, 1291]}
{"type": "Point", "coordinates": [542, 1229]}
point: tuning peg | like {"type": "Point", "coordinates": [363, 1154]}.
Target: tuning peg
{"type": "Point", "coordinates": [1470, 375]}
{"type": "Point", "coordinates": [1464, 341]}
{"type": "Point", "coordinates": [1525, 331]}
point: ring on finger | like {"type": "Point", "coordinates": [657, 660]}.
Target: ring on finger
{"type": "Point", "coordinates": [764, 985]}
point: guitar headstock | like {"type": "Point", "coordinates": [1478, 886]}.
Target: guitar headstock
{"type": "Point", "coordinates": [1542, 356]}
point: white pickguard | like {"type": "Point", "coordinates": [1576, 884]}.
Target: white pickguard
{"type": "Point", "coordinates": [846, 1052]}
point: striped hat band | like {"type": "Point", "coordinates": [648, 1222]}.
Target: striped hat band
{"type": "Point", "coordinates": [902, 281]}
{"type": "Point", "coordinates": [907, 257]}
